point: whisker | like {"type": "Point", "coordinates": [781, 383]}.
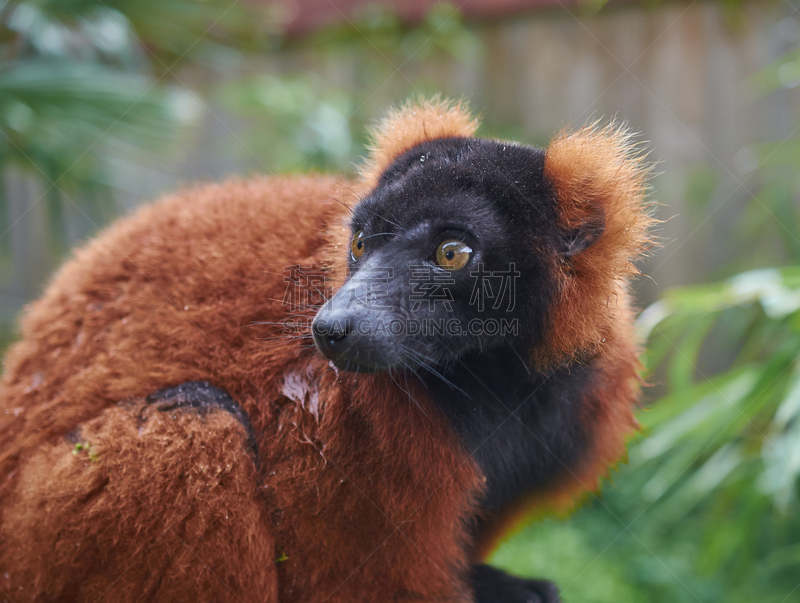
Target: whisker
{"type": "Point", "coordinates": [524, 364]}
{"type": "Point", "coordinates": [419, 357]}
{"type": "Point", "coordinates": [385, 219]}
{"type": "Point", "coordinates": [378, 234]}
{"type": "Point", "coordinates": [422, 410]}
{"type": "Point", "coordinates": [286, 337]}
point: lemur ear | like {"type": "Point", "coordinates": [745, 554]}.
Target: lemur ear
{"type": "Point", "coordinates": [600, 182]}
{"type": "Point", "coordinates": [599, 178]}
{"type": "Point", "coordinates": [579, 239]}
{"type": "Point", "coordinates": [411, 124]}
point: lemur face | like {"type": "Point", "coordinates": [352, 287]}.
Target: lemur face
{"type": "Point", "coordinates": [450, 253]}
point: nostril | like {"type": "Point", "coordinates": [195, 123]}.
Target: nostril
{"type": "Point", "coordinates": [340, 329]}
{"type": "Point", "coordinates": [346, 328]}
{"type": "Point", "coordinates": [333, 331]}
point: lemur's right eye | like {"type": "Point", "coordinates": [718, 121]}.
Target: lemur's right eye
{"type": "Point", "coordinates": [453, 254]}
{"type": "Point", "coordinates": [357, 245]}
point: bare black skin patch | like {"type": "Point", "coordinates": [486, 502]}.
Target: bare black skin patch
{"type": "Point", "coordinates": [202, 397]}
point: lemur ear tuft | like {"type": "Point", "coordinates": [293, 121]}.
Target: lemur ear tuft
{"type": "Point", "coordinates": [599, 177]}
{"type": "Point", "coordinates": [411, 124]}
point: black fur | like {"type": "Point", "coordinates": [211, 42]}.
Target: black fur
{"type": "Point", "coordinates": [522, 426]}
{"type": "Point", "coordinates": [493, 586]}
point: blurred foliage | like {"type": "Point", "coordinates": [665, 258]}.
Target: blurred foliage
{"type": "Point", "coordinates": [377, 30]}
{"type": "Point", "coordinates": [293, 122]}
{"type": "Point", "coordinates": [80, 88]}
{"type": "Point", "coordinates": [131, 32]}
{"type": "Point", "coordinates": [300, 120]}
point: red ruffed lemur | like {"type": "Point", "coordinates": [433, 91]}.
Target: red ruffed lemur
{"type": "Point", "coordinates": [175, 428]}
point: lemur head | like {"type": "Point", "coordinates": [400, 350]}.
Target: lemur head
{"type": "Point", "coordinates": [466, 244]}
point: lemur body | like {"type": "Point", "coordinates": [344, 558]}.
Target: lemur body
{"type": "Point", "coordinates": [274, 470]}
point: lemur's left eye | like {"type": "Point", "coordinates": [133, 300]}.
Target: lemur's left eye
{"type": "Point", "coordinates": [357, 245]}
{"type": "Point", "coordinates": [453, 254]}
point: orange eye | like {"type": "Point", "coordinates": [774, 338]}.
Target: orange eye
{"type": "Point", "coordinates": [453, 254]}
{"type": "Point", "coordinates": [357, 245]}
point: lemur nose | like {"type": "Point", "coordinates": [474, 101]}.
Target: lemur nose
{"type": "Point", "coordinates": [331, 331]}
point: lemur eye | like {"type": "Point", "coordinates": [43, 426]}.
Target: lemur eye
{"type": "Point", "coordinates": [357, 245]}
{"type": "Point", "coordinates": [453, 254]}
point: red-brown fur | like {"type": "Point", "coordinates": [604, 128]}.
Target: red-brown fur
{"type": "Point", "coordinates": [410, 125]}
{"type": "Point", "coordinates": [595, 169]}
{"type": "Point", "coordinates": [360, 492]}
